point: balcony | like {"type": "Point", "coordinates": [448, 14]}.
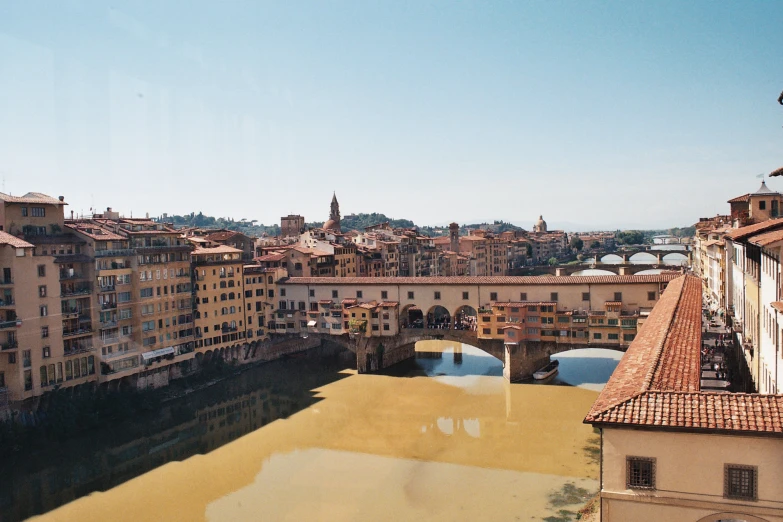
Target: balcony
{"type": "Point", "coordinates": [78, 349]}
{"type": "Point", "coordinates": [10, 345]}
{"type": "Point", "coordinates": [106, 288]}
{"type": "Point", "coordinates": [71, 292]}
{"type": "Point", "coordinates": [228, 329]}
{"type": "Point", "coordinates": [7, 324]}
{"type": "Point", "coordinates": [108, 306]}
{"type": "Point", "coordinates": [65, 276]}
{"type": "Point", "coordinates": [84, 330]}
{"type": "Point", "coordinates": [6, 281]}
{"type": "Point", "coordinates": [115, 253]}
{"type": "Point", "coordinates": [8, 301]}
{"type": "Point", "coordinates": [108, 324]}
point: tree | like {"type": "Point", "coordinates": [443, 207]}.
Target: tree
{"type": "Point", "coordinates": [576, 243]}
{"type": "Point", "coordinates": [552, 261]}
{"type": "Point", "coordinates": [529, 250]}
{"type": "Point", "coordinates": [595, 244]}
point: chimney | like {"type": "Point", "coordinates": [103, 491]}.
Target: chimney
{"type": "Point", "coordinates": [61, 198]}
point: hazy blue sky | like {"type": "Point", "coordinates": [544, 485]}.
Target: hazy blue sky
{"type": "Point", "coordinates": [612, 114]}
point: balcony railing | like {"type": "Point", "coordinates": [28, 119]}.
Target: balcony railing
{"type": "Point", "coordinates": [10, 345]}
{"type": "Point", "coordinates": [6, 281]}
{"type": "Point", "coordinates": [7, 324]}
{"type": "Point", "coordinates": [106, 288]}
{"type": "Point", "coordinates": [108, 324]}
{"type": "Point", "coordinates": [74, 291]}
{"type": "Point", "coordinates": [64, 276]}
{"type": "Point", "coordinates": [9, 301]}
{"type": "Point", "coordinates": [78, 349]}
{"type": "Point", "coordinates": [228, 329]}
{"type": "Point", "coordinates": [77, 331]}
{"type": "Point", "coordinates": [108, 306]}
{"type": "Point", "coordinates": [115, 253]}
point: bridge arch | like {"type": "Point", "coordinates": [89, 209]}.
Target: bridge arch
{"type": "Point", "coordinates": [643, 258]}
{"type": "Point", "coordinates": [611, 259]}
{"type": "Point", "coordinates": [731, 517]}
{"type": "Point", "coordinates": [675, 258]}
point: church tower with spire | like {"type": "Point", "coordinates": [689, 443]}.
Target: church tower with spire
{"type": "Point", "coordinates": [334, 216]}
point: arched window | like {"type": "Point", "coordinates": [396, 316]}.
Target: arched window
{"type": "Point", "coordinates": [231, 296]}
{"type": "Point", "coordinates": [231, 283]}
{"type": "Point", "coordinates": [233, 324]}
{"type": "Point", "coordinates": [223, 297]}
{"type": "Point", "coordinates": [222, 284]}
{"type": "Point", "coordinates": [233, 310]}
{"type": "Point", "coordinates": [223, 311]}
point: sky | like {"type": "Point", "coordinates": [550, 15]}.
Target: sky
{"type": "Point", "coordinates": [597, 114]}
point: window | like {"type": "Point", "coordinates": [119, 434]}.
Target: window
{"type": "Point", "coordinates": [410, 295]}
{"type": "Point", "coordinates": [618, 296]}
{"type": "Point", "coordinates": [553, 296]}
{"type": "Point", "coordinates": [334, 294]}
{"type": "Point", "coordinates": [465, 296]}
{"type": "Point", "coordinates": [38, 212]}
{"type": "Point", "coordinates": [651, 296]}
{"type": "Point", "coordinates": [611, 322]}
{"type": "Point", "coordinates": [358, 294]}
{"type": "Point", "coordinates": [762, 205]}
{"type": "Point", "coordinates": [640, 473]}
{"type": "Point", "coordinates": [629, 337]}
{"type": "Point", "coordinates": [41, 270]}
{"type": "Point", "coordinates": [384, 294]}
{"type": "Point", "coordinates": [597, 336]}
{"type": "Point", "coordinates": [613, 337]}
{"type": "Point", "coordinates": [740, 482]}
{"type": "Point", "coordinates": [282, 292]}
{"type": "Point", "coordinates": [523, 296]}
{"type": "Point", "coordinates": [44, 332]}
{"type": "Point", "coordinates": [42, 291]}
{"type": "Point", "coordinates": [487, 331]}
{"type": "Point", "coordinates": [437, 296]}
{"type": "Point", "coordinates": [493, 296]}
{"type": "Point", "coordinates": [24, 211]}
{"type": "Point", "coordinates": [46, 352]}
{"type": "Point", "coordinates": [11, 358]}
{"type": "Point", "coordinates": [386, 327]}
{"type": "Point", "coordinates": [44, 311]}
{"type": "Point", "coordinates": [585, 296]}
{"type": "Point", "coordinates": [145, 292]}
{"type": "Point", "coordinates": [312, 292]}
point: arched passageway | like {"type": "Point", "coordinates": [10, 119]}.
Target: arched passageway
{"type": "Point", "coordinates": [643, 258]}
{"type": "Point", "coordinates": [465, 318]}
{"type": "Point", "coordinates": [675, 259]}
{"type": "Point", "coordinates": [438, 318]}
{"type": "Point", "coordinates": [411, 317]}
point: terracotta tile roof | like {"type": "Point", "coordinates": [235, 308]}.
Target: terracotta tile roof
{"type": "Point", "coordinates": [512, 327]}
{"type": "Point", "coordinates": [740, 199]}
{"type": "Point", "coordinates": [32, 197]}
{"type": "Point", "coordinates": [744, 232]}
{"type": "Point", "coordinates": [766, 238]}
{"type": "Point", "coordinates": [389, 304]}
{"type": "Point", "coordinates": [656, 384]}
{"type": "Point", "coordinates": [325, 301]}
{"type": "Point", "coordinates": [727, 412]}
{"type": "Point", "coordinates": [11, 240]}
{"type": "Point", "coordinates": [777, 305]}
{"type": "Point", "coordinates": [271, 257]}
{"type": "Point", "coordinates": [350, 301]}
{"type": "Point", "coordinates": [486, 280]}
{"type": "Point", "coordinates": [94, 231]}
{"type": "Point", "coordinates": [223, 235]}
{"type": "Point", "coordinates": [222, 249]}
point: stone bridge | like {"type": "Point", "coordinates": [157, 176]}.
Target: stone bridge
{"type": "Point", "coordinates": [519, 360]}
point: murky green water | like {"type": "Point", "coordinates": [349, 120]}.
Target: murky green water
{"type": "Point", "coordinates": [443, 437]}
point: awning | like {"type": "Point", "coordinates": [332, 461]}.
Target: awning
{"type": "Point", "coordinates": [311, 323]}
{"type": "Point", "coordinates": [157, 353]}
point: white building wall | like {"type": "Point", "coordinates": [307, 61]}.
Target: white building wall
{"type": "Point", "coordinates": [770, 276]}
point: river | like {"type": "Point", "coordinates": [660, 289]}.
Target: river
{"type": "Point", "coordinates": [441, 437]}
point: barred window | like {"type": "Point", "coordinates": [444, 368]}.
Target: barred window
{"type": "Point", "coordinates": [640, 473]}
{"type": "Point", "coordinates": [740, 482]}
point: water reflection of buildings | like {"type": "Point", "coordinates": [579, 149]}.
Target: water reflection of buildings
{"type": "Point", "coordinates": [26, 493]}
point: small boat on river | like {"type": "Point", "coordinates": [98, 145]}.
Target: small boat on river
{"type": "Point", "coordinates": [547, 371]}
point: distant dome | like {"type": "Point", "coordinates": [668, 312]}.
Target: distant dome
{"type": "Point", "coordinates": [332, 225]}
{"type": "Point", "coordinates": [540, 225]}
